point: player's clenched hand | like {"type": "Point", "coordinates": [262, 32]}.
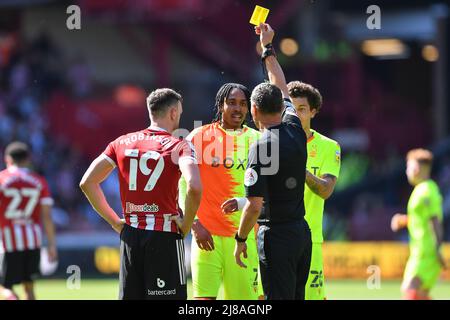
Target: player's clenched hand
{"type": "Point", "coordinates": [181, 226]}
{"type": "Point", "coordinates": [229, 206]}
{"type": "Point", "coordinates": [241, 247]}
{"type": "Point", "coordinates": [118, 226]}
{"type": "Point", "coordinates": [202, 236]}
{"type": "Point", "coordinates": [265, 32]}
{"type": "Point", "coordinates": [398, 221]}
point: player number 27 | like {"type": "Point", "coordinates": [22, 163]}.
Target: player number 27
{"type": "Point", "coordinates": [141, 164]}
{"type": "Point", "coordinates": [16, 195]}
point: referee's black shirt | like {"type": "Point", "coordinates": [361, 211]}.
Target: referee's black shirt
{"type": "Point", "coordinates": [282, 189]}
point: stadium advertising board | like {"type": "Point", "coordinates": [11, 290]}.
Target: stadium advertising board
{"type": "Point", "coordinates": [355, 259]}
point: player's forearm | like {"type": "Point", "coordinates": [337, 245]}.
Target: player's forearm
{"type": "Point", "coordinates": [182, 192]}
{"type": "Point", "coordinates": [276, 75]}
{"type": "Point", "coordinates": [95, 195]}
{"type": "Point", "coordinates": [191, 205]}
{"type": "Point", "coordinates": [49, 227]}
{"type": "Point", "coordinates": [323, 187]}
{"type": "Point", "coordinates": [248, 220]}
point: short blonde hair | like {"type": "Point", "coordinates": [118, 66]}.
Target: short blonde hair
{"type": "Point", "coordinates": [423, 156]}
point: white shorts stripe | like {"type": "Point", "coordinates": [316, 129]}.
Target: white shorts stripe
{"type": "Point", "coordinates": [30, 237]}
{"type": "Point", "coordinates": [8, 239]}
{"type": "Point", "coordinates": [182, 260]}
{"type": "Point", "coordinates": [18, 236]}
{"type": "Point", "coordinates": [37, 229]}
{"type": "Point", "coordinates": [180, 266]}
{"type": "Point", "coordinates": [150, 222]}
{"type": "Point", "coordinates": [167, 223]}
{"type": "Point", "coordinates": [178, 258]}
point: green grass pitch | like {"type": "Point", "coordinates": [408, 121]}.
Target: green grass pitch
{"type": "Point", "coordinates": [336, 290]}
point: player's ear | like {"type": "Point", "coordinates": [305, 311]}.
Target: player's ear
{"type": "Point", "coordinates": [313, 112]}
{"type": "Point", "coordinates": [173, 113]}
{"type": "Point", "coordinates": [254, 110]}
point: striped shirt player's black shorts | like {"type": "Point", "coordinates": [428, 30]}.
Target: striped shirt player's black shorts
{"type": "Point", "coordinates": [152, 265]}
{"type": "Point", "coordinates": [19, 266]}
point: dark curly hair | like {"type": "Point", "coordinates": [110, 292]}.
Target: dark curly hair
{"type": "Point", "coordinates": [298, 89]}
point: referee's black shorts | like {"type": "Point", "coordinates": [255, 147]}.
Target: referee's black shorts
{"type": "Point", "coordinates": [285, 256]}
{"type": "Point", "coordinates": [151, 265]}
{"type": "Point", "coordinates": [19, 267]}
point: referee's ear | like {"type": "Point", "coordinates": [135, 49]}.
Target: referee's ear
{"type": "Point", "coordinates": [255, 113]}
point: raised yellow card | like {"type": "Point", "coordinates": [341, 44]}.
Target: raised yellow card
{"type": "Point", "coordinates": [259, 15]}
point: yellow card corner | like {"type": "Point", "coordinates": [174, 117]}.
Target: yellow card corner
{"type": "Point", "coordinates": [259, 15]}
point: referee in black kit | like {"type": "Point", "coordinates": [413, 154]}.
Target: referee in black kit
{"type": "Point", "coordinates": [284, 237]}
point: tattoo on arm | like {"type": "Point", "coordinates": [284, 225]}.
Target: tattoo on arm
{"type": "Point", "coordinates": [322, 186]}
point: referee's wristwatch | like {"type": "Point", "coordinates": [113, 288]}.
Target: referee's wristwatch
{"type": "Point", "coordinates": [269, 50]}
{"type": "Point", "coordinates": [238, 239]}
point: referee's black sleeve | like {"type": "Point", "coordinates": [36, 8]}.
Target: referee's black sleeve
{"type": "Point", "coordinates": [290, 115]}
{"type": "Point", "coordinates": [255, 183]}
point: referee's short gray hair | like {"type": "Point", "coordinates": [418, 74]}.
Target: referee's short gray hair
{"type": "Point", "coordinates": [268, 98]}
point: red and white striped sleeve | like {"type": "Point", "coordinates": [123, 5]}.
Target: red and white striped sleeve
{"type": "Point", "coordinates": [46, 197]}
{"type": "Point", "coordinates": [185, 150]}
{"type": "Point", "coordinates": [110, 154]}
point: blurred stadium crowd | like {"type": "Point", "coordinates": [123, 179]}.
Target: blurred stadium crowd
{"type": "Point", "coordinates": [371, 188]}
{"type": "Point", "coordinates": [30, 73]}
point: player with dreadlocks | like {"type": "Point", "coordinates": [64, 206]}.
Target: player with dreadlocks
{"type": "Point", "coordinates": [222, 149]}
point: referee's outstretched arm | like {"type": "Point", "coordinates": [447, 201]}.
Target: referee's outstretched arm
{"type": "Point", "coordinates": [274, 71]}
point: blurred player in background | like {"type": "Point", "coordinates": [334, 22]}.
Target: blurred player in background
{"type": "Point", "coordinates": [322, 171]}
{"type": "Point", "coordinates": [222, 149]}
{"type": "Point", "coordinates": [150, 163]}
{"type": "Point", "coordinates": [25, 200]}
{"type": "Point", "coordinates": [424, 223]}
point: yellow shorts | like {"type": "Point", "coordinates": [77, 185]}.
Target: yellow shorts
{"type": "Point", "coordinates": [315, 286]}
{"type": "Point", "coordinates": [212, 268]}
{"type": "Point", "coordinates": [427, 269]}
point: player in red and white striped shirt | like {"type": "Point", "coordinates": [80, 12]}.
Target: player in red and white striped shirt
{"type": "Point", "coordinates": [150, 163]}
{"type": "Point", "coordinates": [24, 200]}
